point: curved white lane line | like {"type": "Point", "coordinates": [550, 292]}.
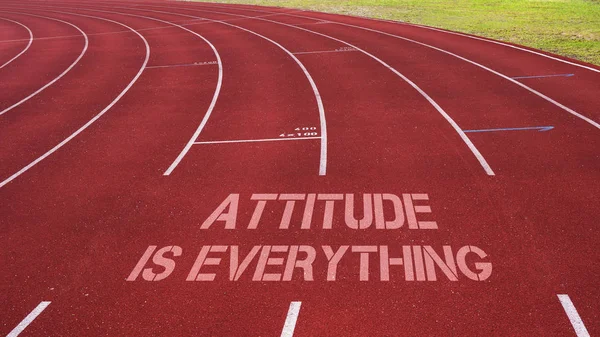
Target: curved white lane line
{"type": "Point", "coordinates": [488, 170]}
{"type": "Point", "coordinates": [85, 47]}
{"type": "Point", "coordinates": [91, 121]}
{"type": "Point", "coordinates": [211, 107]}
{"type": "Point", "coordinates": [322, 121]}
{"type": "Point", "coordinates": [539, 94]}
{"type": "Point", "coordinates": [489, 41]}
{"type": "Point", "coordinates": [26, 47]}
{"type": "Point", "coordinates": [422, 27]}
{"type": "Point", "coordinates": [535, 92]}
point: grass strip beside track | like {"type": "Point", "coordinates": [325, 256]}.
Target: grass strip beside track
{"type": "Point", "coordinates": [566, 27]}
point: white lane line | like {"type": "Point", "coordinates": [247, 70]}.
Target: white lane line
{"type": "Point", "coordinates": [322, 121]}
{"type": "Point", "coordinates": [24, 49]}
{"type": "Point", "coordinates": [542, 76]}
{"type": "Point", "coordinates": [93, 34]}
{"type": "Point", "coordinates": [254, 140]}
{"type": "Point", "coordinates": [85, 47]}
{"type": "Point", "coordinates": [323, 51]}
{"type": "Point", "coordinates": [576, 321]}
{"type": "Point", "coordinates": [182, 23]}
{"type": "Point", "coordinates": [189, 144]}
{"type": "Point", "coordinates": [27, 320]}
{"type": "Point", "coordinates": [425, 27]}
{"type": "Point", "coordinates": [290, 320]}
{"type": "Point", "coordinates": [184, 65]}
{"type": "Point", "coordinates": [486, 167]}
{"type": "Point", "coordinates": [211, 107]}
{"type": "Point", "coordinates": [95, 118]}
{"type": "Point", "coordinates": [539, 94]}
{"type": "Point", "coordinates": [313, 23]}
{"type": "Point", "coordinates": [499, 43]}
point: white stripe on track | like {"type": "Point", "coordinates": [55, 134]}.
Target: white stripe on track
{"type": "Point", "coordinates": [85, 47]}
{"type": "Point", "coordinates": [26, 47]}
{"type": "Point", "coordinates": [197, 64]}
{"type": "Point", "coordinates": [486, 167]}
{"type": "Point", "coordinates": [322, 52]}
{"type": "Point", "coordinates": [254, 140]}
{"type": "Point", "coordinates": [27, 320]}
{"type": "Point", "coordinates": [95, 118]}
{"type": "Point", "coordinates": [539, 94]}
{"type": "Point", "coordinates": [290, 321]}
{"type": "Point", "coordinates": [573, 315]}
{"type": "Point", "coordinates": [498, 43]}
{"type": "Point", "coordinates": [322, 121]}
{"type": "Point", "coordinates": [422, 27]}
{"type": "Point", "coordinates": [215, 96]}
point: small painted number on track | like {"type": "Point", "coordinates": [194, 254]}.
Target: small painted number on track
{"type": "Point", "coordinates": [305, 131]}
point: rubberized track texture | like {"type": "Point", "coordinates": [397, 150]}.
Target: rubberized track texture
{"type": "Point", "coordinates": [198, 169]}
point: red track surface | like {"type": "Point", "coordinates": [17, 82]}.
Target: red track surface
{"type": "Point", "coordinates": [75, 223]}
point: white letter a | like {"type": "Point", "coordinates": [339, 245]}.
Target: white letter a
{"type": "Point", "coordinates": [219, 213]}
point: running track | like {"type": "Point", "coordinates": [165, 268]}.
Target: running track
{"type": "Point", "coordinates": [124, 125]}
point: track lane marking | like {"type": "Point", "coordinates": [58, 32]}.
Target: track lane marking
{"type": "Point", "coordinates": [254, 140]}
{"type": "Point", "coordinates": [499, 43]}
{"type": "Point", "coordinates": [422, 27]}
{"type": "Point", "coordinates": [290, 321]}
{"type": "Point", "coordinates": [28, 319]}
{"type": "Point", "coordinates": [324, 51]}
{"type": "Point", "coordinates": [539, 94]}
{"type": "Point", "coordinates": [539, 128]}
{"type": "Point", "coordinates": [486, 167]}
{"type": "Point", "coordinates": [213, 102]}
{"type": "Point", "coordinates": [98, 34]}
{"type": "Point", "coordinates": [26, 47]}
{"type": "Point", "coordinates": [542, 76]}
{"type": "Point", "coordinates": [320, 106]}
{"type": "Point", "coordinates": [207, 63]}
{"type": "Point", "coordinates": [569, 110]}
{"type": "Point", "coordinates": [83, 51]}
{"type": "Point", "coordinates": [215, 96]}
{"type": "Point", "coordinates": [187, 23]}
{"type": "Point", "coordinates": [95, 118]}
{"type": "Point", "coordinates": [573, 315]}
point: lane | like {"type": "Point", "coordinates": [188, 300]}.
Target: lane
{"type": "Point", "coordinates": [555, 247]}
{"type": "Point", "coordinates": [493, 102]}
{"type": "Point", "coordinates": [115, 203]}
{"type": "Point", "coordinates": [300, 117]}
{"type": "Point", "coordinates": [506, 59]}
{"type": "Point", "coordinates": [568, 109]}
{"type": "Point", "coordinates": [123, 155]}
{"type": "Point", "coordinates": [30, 75]}
{"type": "Point", "coordinates": [196, 134]}
{"type": "Point", "coordinates": [11, 42]}
{"type": "Point", "coordinates": [41, 126]}
{"type": "Point", "coordinates": [139, 227]}
{"type": "Point", "coordinates": [40, 241]}
{"type": "Point", "coordinates": [262, 307]}
{"type": "Point", "coordinates": [561, 59]}
{"type": "Point", "coordinates": [467, 141]}
{"type": "Point", "coordinates": [440, 110]}
{"type": "Point", "coordinates": [321, 113]}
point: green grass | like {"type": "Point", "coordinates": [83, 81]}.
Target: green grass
{"type": "Point", "coordinates": [565, 27]}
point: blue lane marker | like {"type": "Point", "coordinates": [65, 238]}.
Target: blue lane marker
{"type": "Point", "coordinates": [542, 76]}
{"type": "Point", "coordinates": [539, 128]}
